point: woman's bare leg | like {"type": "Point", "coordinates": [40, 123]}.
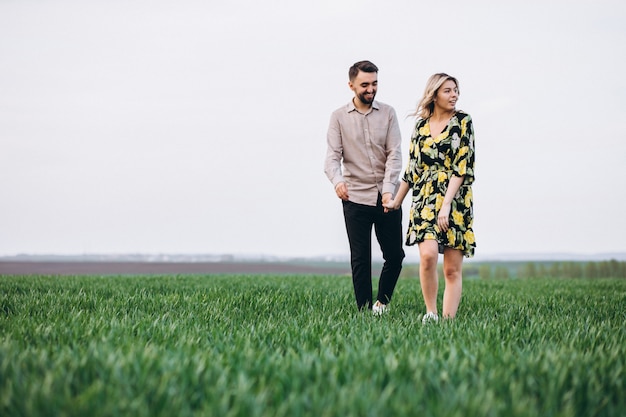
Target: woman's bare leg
{"type": "Point", "coordinates": [428, 273]}
{"type": "Point", "coordinates": [453, 274]}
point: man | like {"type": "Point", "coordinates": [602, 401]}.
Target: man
{"type": "Point", "coordinates": [364, 135]}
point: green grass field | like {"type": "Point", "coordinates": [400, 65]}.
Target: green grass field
{"type": "Point", "coordinates": [295, 345]}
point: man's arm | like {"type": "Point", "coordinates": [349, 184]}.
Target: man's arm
{"type": "Point", "coordinates": [393, 164]}
{"type": "Point", "coordinates": [334, 155]}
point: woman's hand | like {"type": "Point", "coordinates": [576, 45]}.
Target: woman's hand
{"type": "Point", "coordinates": [443, 217]}
{"type": "Point", "coordinates": [391, 205]}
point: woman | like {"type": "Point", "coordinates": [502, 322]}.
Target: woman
{"type": "Point", "coordinates": [440, 173]}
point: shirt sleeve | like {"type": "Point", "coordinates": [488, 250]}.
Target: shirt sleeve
{"type": "Point", "coordinates": [393, 165]}
{"type": "Point", "coordinates": [463, 162]}
{"type": "Point", "coordinates": [334, 152]}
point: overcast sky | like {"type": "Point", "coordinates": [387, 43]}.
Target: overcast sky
{"type": "Point", "coordinates": [200, 126]}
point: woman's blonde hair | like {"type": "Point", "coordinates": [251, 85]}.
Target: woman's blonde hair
{"type": "Point", "coordinates": [427, 103]}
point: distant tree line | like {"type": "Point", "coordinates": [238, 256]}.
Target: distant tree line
{"type": "Point", "coordinates": [604, 269]}
{"type": "Point", "coordinates": [591, 270]}
{"type": "Point", "coordinates": [506, 270]}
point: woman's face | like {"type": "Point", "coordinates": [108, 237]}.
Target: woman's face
{"type": "Point", "coordinates": [446, 97]}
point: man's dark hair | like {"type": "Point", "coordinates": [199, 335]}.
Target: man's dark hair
{"type": "Point", "coordinates": [364, 66]}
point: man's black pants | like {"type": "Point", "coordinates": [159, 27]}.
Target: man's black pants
{"type": "Point", "coordinates": [359, 220]}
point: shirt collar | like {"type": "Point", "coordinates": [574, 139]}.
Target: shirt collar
{"type": "Point", "coordinates": [352, 108]}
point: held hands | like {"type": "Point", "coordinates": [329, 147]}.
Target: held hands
{"type": "Point", "coordinates": [394, 204]}
{"type": "Point", "coordinates": [390, 204]}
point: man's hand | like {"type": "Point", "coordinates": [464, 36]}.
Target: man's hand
{"type": "Point", "coordinates": [342, 191]}
{"type": "Point", "coordinates": [386, 201]}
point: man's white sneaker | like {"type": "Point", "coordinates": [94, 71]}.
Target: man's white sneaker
{"type": "Point", "coordinates": [430, 317]}
{"type": "Point", "coordinates": [378, 309]}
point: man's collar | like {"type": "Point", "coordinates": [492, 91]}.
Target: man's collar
{"type": "Point", "coordinates": [352, 107]}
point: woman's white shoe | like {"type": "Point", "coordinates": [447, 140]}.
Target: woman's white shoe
{"type": "Point", "coordinates": [430, 317]}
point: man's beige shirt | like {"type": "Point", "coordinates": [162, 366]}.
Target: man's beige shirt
{"type": "Point", "coordinates": [364, 151]}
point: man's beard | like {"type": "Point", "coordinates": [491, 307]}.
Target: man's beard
{"type": "Point", "coordinates": [365, 101]}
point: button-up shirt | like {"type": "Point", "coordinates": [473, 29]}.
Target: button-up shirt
{"type": "Point", "coordinates": [369, 148]}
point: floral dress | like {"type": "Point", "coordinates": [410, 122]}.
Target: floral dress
{"type": "Point", "coordinates": [432, 161]}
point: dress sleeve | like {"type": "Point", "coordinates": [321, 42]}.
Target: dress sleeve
{"type": "Point", "coordinates": [413, 167]}
{"type": "Point", "coordinates": [408, 177]}
{"type": "Point", "coordinates": [463, 161]}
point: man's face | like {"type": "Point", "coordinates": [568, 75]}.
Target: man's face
{"type": "Point", "coordinates": [364, 86]}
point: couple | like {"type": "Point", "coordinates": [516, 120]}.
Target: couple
{"type": "Point", "coordinates": [363, 162]}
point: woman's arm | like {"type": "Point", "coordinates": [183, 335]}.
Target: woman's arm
{"type": "Point", "coordinates": [443, 216]}
{"type": "Point", "coordinates": [397, 201]}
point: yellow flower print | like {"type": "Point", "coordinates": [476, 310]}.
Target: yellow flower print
{"type": "Point", "coordinates": [442, 177]}
{"type": "Point", "coordinates": [427, 189]}
{"type": "Point", "coordinates": [447, 162]}
{"type": "Point", "coordinates": [464, 126]}
{"type": "Point", "coordinates": [468, 198]}
{"type": "Point", "coordinates": [428, 143]}
{"type": "Point", "coordinates": [463, 150]}
{"type": "Point", "coordinates": [422, 226]}
{"type": "Point", "coordinates": [463, 167]}
{"type": "Point", "coordinates": [439, 202]}
{"type": "Point", "coordinates": [427, 213]}
{"type": "Point", "coordinates": [430, 236]}
{"type": "Point", "coordinates": [442, 136]}
{"type": "Point", "coordinates": [469, 237]}
{"type": "Point", "coordinates": [425, 130]}
{"type": "Point", "coordinates": [451, 237]}
{"type": "Point", "coordinates": [457, 217]}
